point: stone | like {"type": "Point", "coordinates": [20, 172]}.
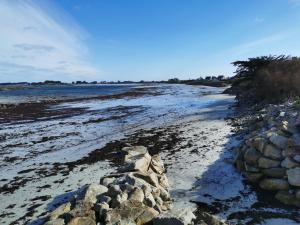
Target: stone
{"type": "Point", "coordinates": [107, 181]}
{"type": "Point", "coordinates": [81, 209]}
{"type": "Point", "coordinates": [167, 219]}
{"type": "Point", "coordinates": [275, 172]}
{"type": "Point", "coordinates": [298, 194]}
{"type": "Point", "coordinates": [163, 181]}
{"type": "Point", "coordinates": [82, 221]}
{"type": "Point", "coordinates": [253, 177]}
{"type": "Point", "coordinates": [267, 163]}
{"type": "Point", "coordinates": [92, 191]}
{"type": "Point", "coordinates": [291, 152]}
{"type": "Point", "coordinates": [289, 163]}
{"type": "Point", "coordinates": [278, 140]}
{"type": "Point", "coordinates": [129, 212]}
{"type": "Point", "coordinates": [146, 216]}
{"type": "Point", "coordinates": [114, 190]}
{"type": "Point", "coordinates": [259, 143]}
{"type": "Point", "coordinates": [119, 199]}
{"type": "Point", "coordinates": [164, 194]}
{"type": "Point", "coordinates": [137, 195]}
{"type": "Point", "coordinates": [64, 208]}
{"type": "Point", "coordinates": [274, 184]}
{"type": "Point", "coordinates": [287, 198]}
{"type": "Point", "coordinates": [272, 152]}
{"type": "Point", "coordinates": [149, 200]}
{"type": "Point", "coordinates": [209, 219]}
{"type": "Point", "coordinates": [102, 209]}
{"type": "Point", "coordinates": [58, 221]}
{"type": "Point", "coordinates": [249, 168]}
{"type": "Point", "coordinates": [104, 198]}
{"type": "Point", "coordinates": [296, 158]}
{"type": "Point", "coordinates": [251, 156]}
{"type": "Point", "coordinates": [294, 176]}
{"type": "Point", "coordinates": [149, 177]}
{"type": "Point", "coordinates": [157, 165]}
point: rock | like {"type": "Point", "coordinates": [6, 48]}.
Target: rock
{"type": "Point", "coordinates": [92, 191]}
{"type": "Point", "coordinates": [267, 163]}
{"type": "Point", "coordinates": [107, 181]}
{"type": "Point", "coordinates": [296, 158]}
{"type": "Point", "coordinates": [272, 152]}
{"type": "Point", "coordinates": [249, 168]}
{"type": "Point", "coordinates": [64, 208]}
{"type": "Point", "coordinates": [291, 152]}
{"type": "Point", "coordinates": [104, 198]}
{"type": "Point", "coordinates": [275, 172]}
{"type": "Point", "coordinates": [278, 140]}
{"type": "Point", "coordinates": [147, 215]}
{"type": "Point", "coordinates": [129, 212]}
{"type": "Point", "coordinates": [294, 176]}
{"type": "Point", "coordinates": [240, 165]}
{"type": "Point", "coordinates": [251, 156]}
{"type": "Point", "coordinates": [163, 181]}
{"type": "Point", "coordinates": [298, 194]}
{"type": "Point", "coordinates": [55, 222]}
{"type": "Point", "coordinates": [82, 221]}
{"type": "Point", "coordinates": [149, 200]}
{"type": "Point", "coordinates": [137, 158]}
{"type": "Point", "coordinates": [119, 199]}
{"type": "Point", "coordinates": [164, 194]}
{"type": "Point", "coordinates": [181, 218]}
{"type": "Point", "coordinates": [287, 198]}
{"type": "Point", "coordinates": [137, 195]}
{"type": "Point", "coordinates": [81, 209]}
{"type": "Point", "coordinates": [209, 219]}
{"type": "Point", "coordinates": [149, 177]}
{"type": "Point", "coordinates": [289, 163]}
{"type": "Point", "coordinates": [253, 177]}
{"type": "Point", "coordinates": [157, 165]}
{"type": "Point", "coordinates": [102, 209]}
{"type": "Point", "coordinates": [114, 190]}
{"type": "Point", "coordinates": [274, 184]}
{"type": "Point", "coordinates": [259, 143]}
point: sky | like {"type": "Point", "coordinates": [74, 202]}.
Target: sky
{"type": "Point", "coordinates": [111, 40]}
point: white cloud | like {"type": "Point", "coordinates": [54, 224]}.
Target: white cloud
{"type": "Point", "coordinates": [35, 46]}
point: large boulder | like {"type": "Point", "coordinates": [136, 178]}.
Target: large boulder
{"type": "Point", "coordinates": [266, 163]}
{"type": "Point", "coordinates": [272, 152]}
{"type": "Point", "coordinates": [274, 172]}
{"type": "Point", "coordinates": [294, 176]}
{"type": "Point", "coordinates": [278, 140]}
{"type": "Point", "coordinates": [274, 184]}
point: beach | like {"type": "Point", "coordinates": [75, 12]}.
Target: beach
{"type": "Point", "coordinates": [46, 158]}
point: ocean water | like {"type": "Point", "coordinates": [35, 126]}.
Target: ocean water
{"type": "Point", "coordinates": [36, 93]}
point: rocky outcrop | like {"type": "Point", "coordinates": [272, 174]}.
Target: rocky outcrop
{"type": "Point", "coordinates": [269, 156]}
{"type": "Point", "coordinates": [138, 195]}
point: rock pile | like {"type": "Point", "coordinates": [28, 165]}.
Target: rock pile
{"type": "Point", "coordinates": [270, 156]}
{"type": "Point", "coordinates": [136, 195]}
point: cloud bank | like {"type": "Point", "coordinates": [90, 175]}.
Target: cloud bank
{"type": "Point", "coordinates": [36, 45]}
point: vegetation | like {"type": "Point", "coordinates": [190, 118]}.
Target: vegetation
{"type": "Point", "coordinates": [266, 79]}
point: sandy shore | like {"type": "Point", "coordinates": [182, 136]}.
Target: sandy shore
{"type": "Point", "coordinates": [186, 125]}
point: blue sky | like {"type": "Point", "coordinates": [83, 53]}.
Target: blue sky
{"type": "Point", "coordinates": [140, 39]}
